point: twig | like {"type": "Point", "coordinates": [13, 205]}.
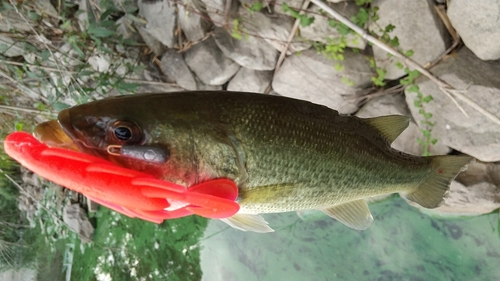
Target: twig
{"type": "Point", "coordinates": [447, 89]}
{"type": "Point", "coordinates": [15, 109]}
{"type": "Point", "coordinates": [38, 35]}
{"type": "Point", "coordinates": [282, 56]}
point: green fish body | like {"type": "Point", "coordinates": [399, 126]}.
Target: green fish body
{"type": "Point", "coordinates": [284, 154]}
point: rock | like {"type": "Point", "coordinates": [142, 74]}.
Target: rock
{"type": "Point", "coordinates": [475, 135]}
{"type": "Point", "coordinates": [9, 47]}
{"type": "Point", "coordinates": [475, 192]}
{"type": "Point", "coordinates": [248, 80]}
{"type": "Point", "coordinates": [200, 86]}
{"type": "Point", "coordinates": [173, 65]}
{"type": "Point", "coordinates": [320, 30]}
{"type": "Point", "coordinates": [208, 62]}
{"type": "Point", "coordinates": [426, 36]}
{"type": "Point", "coordinates": [477, 24]}
{"type": "Point", "coordinates": [77, 220]}
{"type": "Point", "coordinates": [192, 24]}
{"type": "Point", "coordinates": [313, 77]}
{"type": "Point", "coordinates": [125, 29]}
{"type": "Point", "coordinates": [407, 141]}
{"type": "Point", "coordinates": [250, 52]}
{"type": "Point", "coordinates": [12, 21]}
{"type": "Point", "coordinates": [152, 43]}
{"type": "Point", "coordinates": [272, 28]}
{"type": "Point", "coordinates": [216, 10]}
{"type": "Point", "coordinates": [161, 17]}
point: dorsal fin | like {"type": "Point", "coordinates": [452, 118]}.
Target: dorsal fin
{"type": "Point", "coordinates": [354, 214]}
{"type": "Point", "coordinates": [391, 126]}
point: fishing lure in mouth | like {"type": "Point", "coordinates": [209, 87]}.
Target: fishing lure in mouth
{"type": "Point", "coordinates": [130, 192]}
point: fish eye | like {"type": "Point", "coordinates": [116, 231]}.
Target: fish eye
{"type": "Point", "coordinates": [125, 132]}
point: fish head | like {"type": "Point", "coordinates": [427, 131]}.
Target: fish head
{"type": "Point", "coordinates": [129, 133]}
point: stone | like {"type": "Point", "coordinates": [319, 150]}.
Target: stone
{"type": "Point", "coordinates": [475, 192]}
{"type": "Point", "coordinates": [10, 48]}
{"type": "Point", "coordinates": [475, 135]}
{"type": "Point", "coordinates": [313, 77]}
{"type": "Point", "coordinates": [216, 10]}
{"type": "Point", "coordinates": [208, 62]}
{"type": "Point", "coordinates": [194, 26]}
{"type": "Point", "coordinates": [161, 16]}
{"type": "Point", "coordinates": [154, 44]}
{"type": "Point", "coordinates": [477, 24]}
{"type": "Point", "coordinates": [321, 31]}
{"type": "Point", "coordinates": [12, 21]}
{"type": "Point", "coordinates": [174, 66]}
{"type": "Point", "coordinates": [77, 220]}
{"type": "Point", "coordinates": [248, 80]}
{"type": "Point", "coordinates": [200, 86]}
{"type": "Point", "coordinates": [272, 28]}
{"type": "Point", "coordinates": [407, 141]}
{"type": "Point", "coordinates": [426, 37]}
{"type": "Point", "coordinates": [250, 52]}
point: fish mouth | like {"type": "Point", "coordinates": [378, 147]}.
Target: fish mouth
{"type": "Point", "coordinates": [54, 133]}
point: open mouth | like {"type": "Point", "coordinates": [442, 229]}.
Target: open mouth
{"type": "Point", "coordinates": [52, 134]}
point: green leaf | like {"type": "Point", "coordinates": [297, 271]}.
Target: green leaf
{"type": "Point", "coordinates": [339, 67]}
{"type": "Point", "coordinates": [58, 106]}
{"type": "Point", "coordinates": [409, 53]}
{"type": "Point", "coordinates": [427, 99]}
{"type": "Point", "coordinates": [100, 32]}
{"type": "Point", "coordinates": [305, 20]}
{"type": "Point", "coordinates": [399, 65]}
{"type": "Point", "coordinates": [257, 6]}
{"type": "Point", "coordinates": [413, 88]}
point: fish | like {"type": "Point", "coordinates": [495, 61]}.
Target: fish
{"type": "Point", "coordinates": [284, 154]}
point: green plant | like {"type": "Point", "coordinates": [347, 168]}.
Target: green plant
{"type": "Point", "coordinates": [427, 140]}
{"type": "Point", "coordinates": [304, 19]}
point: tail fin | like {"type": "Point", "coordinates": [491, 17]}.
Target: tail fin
{"type": "Point", "coordinates": [431, 193]}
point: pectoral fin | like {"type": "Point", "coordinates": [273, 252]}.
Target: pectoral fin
{"type": "Point", "coordinates": [248, 222]}
{"type": "Point", "coordinates": [355, 214]}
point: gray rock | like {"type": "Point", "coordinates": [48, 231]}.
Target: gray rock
{"type": "Point", "coordinates": [273, 28]}
{"type": "Point", "coordinates": [477, 24]}
{"type": "Point", "coordinates": [173, 65]}
{"type": "Point", "coordinates": [11, 21]}
{"type": "Point", "coordinates": [475, 192]}
{"type": "Point", "coordinates": [77, 220]}
{"type": "Point", "coordinates": [10, 48]}
{"type": "Point", "coordinates": [156, 46]}
{"type": "Point", "coordinates": [208, 62]}
{"type": "Point", "coordinates": [407, 141]}
{"type": "Point", "coordinates": [248, 80]}
{"type": "Point", "coordinates": [311, 76]}
{"type": "Point", "coordinates": [193, 25]}
{"type": "Point", "coordinates": [216, 10]}
{"type": "Point", "coordinates": [426, 36]}
{"type": "Point", "coordinates": [200, 86]}
{"type": "Point", "coordinates": [250, 52]}
{"type": "Point", "coordinates": [161, 17]}
{"type": "Point", "coordinates": [475, 135]}
{"type": "Point", "coordinates": [320, 30]}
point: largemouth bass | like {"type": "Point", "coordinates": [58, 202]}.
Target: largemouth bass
{"type": "Point", "coordinates": [284, 154]}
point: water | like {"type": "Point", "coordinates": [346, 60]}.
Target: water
{"type": "Point", "coordinates": [401, 244]}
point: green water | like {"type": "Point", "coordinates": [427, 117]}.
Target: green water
{"type": "Point", "coordinates": [401, 244]}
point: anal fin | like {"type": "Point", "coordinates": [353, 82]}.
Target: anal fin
{"type": "Point", "coordinates": [354, 214]}
{"type": "Point", "coordinates": [247, 222]}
